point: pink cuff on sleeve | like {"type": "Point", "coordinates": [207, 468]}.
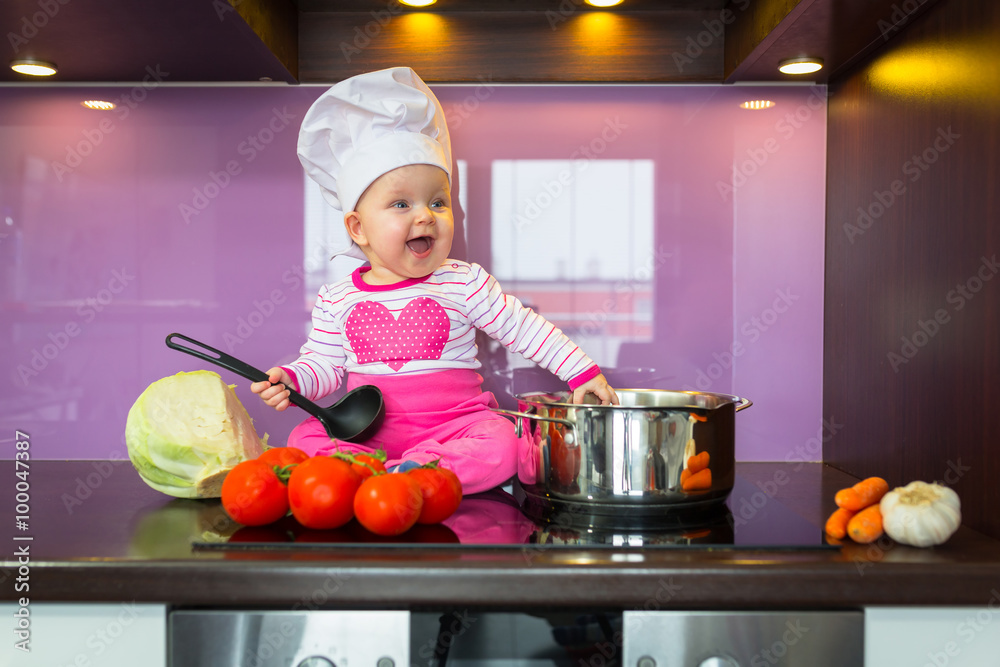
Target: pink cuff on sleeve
{"type": "Point", "coordinates": [584, 377]}
{"type": "Point", "coordinates": [295, 379]}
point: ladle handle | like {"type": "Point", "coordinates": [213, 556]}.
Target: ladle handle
{"type": "Point", "coordinates": [219, 358]}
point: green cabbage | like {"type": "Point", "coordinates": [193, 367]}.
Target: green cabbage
{"type": "Point", "coordinates": [185, 432]}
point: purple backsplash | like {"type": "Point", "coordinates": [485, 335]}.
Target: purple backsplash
{"type": "Point", "coordinates": [183, 211]}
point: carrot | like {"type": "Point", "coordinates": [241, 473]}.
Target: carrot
{"type": "Point", "coordinates": [684, 475]}
{"type": "Point", "coordinates": [836, 525]}
{"type": "Point", "coordinates": [861, 495]}
{"type": "Point", "coordinates": [697, 462]}
{"type": "Point", "coordinates": [866, 526]}
{"type": "Point", "coordinates": [699, 480]}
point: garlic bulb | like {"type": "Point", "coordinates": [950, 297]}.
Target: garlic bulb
{"type": "Point", "coordinates": [921, 514]}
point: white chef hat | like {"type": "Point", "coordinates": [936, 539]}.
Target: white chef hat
{"type": "Point", "coordinates": [367, 126]}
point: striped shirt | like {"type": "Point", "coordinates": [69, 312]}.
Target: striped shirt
{"type": "Point", "coordinates": [422, 325]}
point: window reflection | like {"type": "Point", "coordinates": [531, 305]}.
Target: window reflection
{"type": "Point", "coordinates": [573, 239]}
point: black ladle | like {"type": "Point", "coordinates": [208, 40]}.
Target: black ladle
{"type": "Point", "coordinates": [354, 418]}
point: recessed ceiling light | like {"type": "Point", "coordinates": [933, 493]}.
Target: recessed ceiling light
{"type": "Point", "coordinates": [33, 67]}
{"type": "Point", "coordinates": [98, 105]}
{"type": "Point", "coordinates": [806, 65]}
{"type": "Point", "coordinates": [756, 104]}
{"type": "Point", "coordinates": [604, 3]}
{"type": "Point", "coordinates": [418, 3]}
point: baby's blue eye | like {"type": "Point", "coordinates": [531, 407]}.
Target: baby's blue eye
{"type": "Point", "coordinates": [440, 203]}
{"type": "Point", "coordinates": [399, 204]}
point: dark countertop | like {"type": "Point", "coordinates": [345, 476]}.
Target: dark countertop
{"type": "Point", "coordinates": [99, 534]}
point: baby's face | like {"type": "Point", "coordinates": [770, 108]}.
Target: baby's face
{"type": "Point", "coordinates": [405, 224]}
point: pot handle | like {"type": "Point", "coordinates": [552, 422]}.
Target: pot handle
{"type": "Point", "coordinates": [743, 404]}
{"type": "Point", "coordinates": [569, 438]}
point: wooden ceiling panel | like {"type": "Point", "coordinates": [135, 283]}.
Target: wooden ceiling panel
{"type": "Point", "coordinates": [512, 46]}
{"type": "Point", "coordinates": [550, 41]}
{"type": "Point", "coordinates": [841, 32]}
{"type": "Point", "coordinates": [122, 40]}
{"type": "Point", "coordinates": [354, 6]}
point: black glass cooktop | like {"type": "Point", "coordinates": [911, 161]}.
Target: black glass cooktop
{"type": "Point", "coordinates": [749, 519]}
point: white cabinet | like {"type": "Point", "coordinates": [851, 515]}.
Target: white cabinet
{"type": "Point", "coordinates": [87, 635]}
{"type": "Point", "coordinates": [934, 636]}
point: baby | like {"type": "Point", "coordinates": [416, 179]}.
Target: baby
{"type": "Point", "coordinates": [378, 146]}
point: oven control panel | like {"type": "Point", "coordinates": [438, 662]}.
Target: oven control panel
{"type": "Point", "coordinates": [742, 639]}
{"type": "Point", "coordinates": [198, 638]}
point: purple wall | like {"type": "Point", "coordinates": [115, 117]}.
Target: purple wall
{"type": "Point", "coordinates": [183, 212]}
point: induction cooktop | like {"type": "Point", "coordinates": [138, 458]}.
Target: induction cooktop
{"type": "Point", "coordinates": [749, 519]}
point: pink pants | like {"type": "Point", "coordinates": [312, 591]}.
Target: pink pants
{"type": "Point", "coordinates": [443, 415]}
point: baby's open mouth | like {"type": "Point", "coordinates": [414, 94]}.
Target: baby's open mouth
{"type": "Point", "coordinates": [420, 245]}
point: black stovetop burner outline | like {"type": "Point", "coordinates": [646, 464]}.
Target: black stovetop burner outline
{"type": "Point", "coordinates": [750, 519]}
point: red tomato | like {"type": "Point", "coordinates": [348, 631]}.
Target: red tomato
{"type": "Point", "coordinates": [321, 492]}
{"type": "Point", "coordinates": [388, 504]}
{"type": "Point", "coordinates": [364, 471]}
{"type": "Point", "coordinates": [282, 456]}
{"type": "Point", "coordinates": [253, 495]}
{"type": "Point", "coordinates": [441, 490]}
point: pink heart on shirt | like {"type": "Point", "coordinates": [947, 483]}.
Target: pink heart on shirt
{"type": "Point", "coordinates": [420, 332]}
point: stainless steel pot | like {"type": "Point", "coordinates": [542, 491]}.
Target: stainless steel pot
{"type": "Point", "coordinates": [627, 459]}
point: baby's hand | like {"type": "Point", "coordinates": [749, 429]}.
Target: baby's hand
{"type": "Point", "coordinates": [600, 388]}
{"type": "Point", "coordinates": [274, 393]}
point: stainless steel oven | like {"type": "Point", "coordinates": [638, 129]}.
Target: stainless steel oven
{"type": "Point", "coordinates": [743, 639]}
{"type": "Point", "coordinates": [199, 638]}
{"type": "Point", "coordinates": [470, 638]}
